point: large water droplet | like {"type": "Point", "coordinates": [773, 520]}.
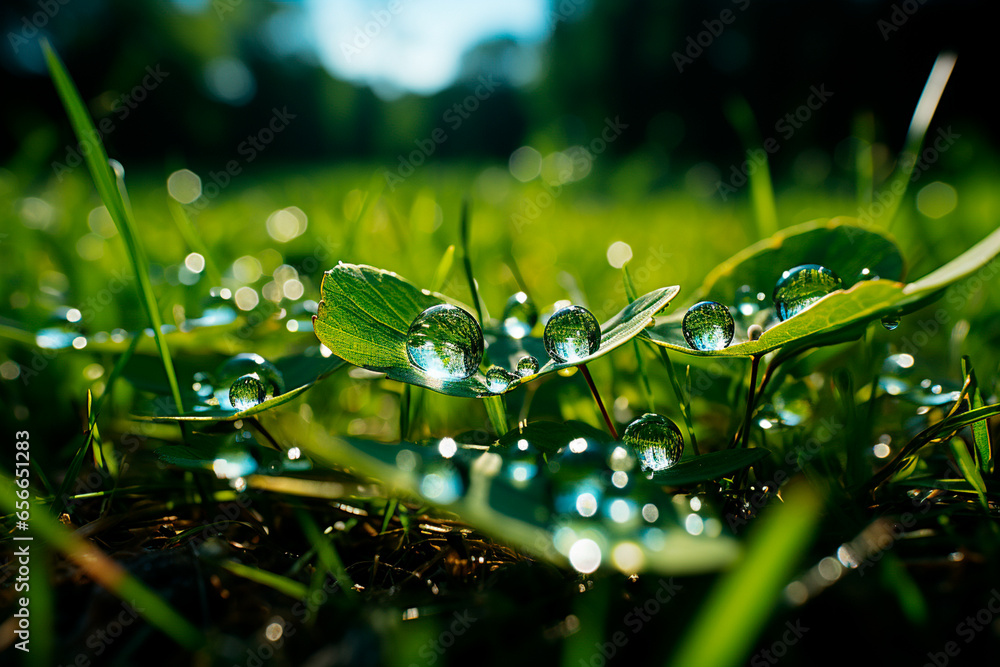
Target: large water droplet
{"type": "Point", "coordinates": [801, 287]}
{"type": "Point", "coordinates": [237, 368]}
{"type": "Point", "coordinates": [498, 379]}
{"type": "Point", "coordinates": [708, 326]}
{"type": "Point", "coordinates": [246, 392]}
{"type": "Point", "coordinates": [749, 300]}
{"type": "Point", "coordinates": [527, 365]}
{"type": "Point", "coordinates": [656, 441]}
{"type": "Point", "coordinates": [572, 334]}
{"type": "Point", "coordinates": [890, 322]}
{"type": "Point", "coordinates": [445, 342]}
{"type": "Point", "coordinates": [519, 315]}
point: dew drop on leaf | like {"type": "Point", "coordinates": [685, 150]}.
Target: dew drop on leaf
{"type": "Point", "coordinates": [708, 325]}
{"type": "Point", "coordinates": [498, 379]}
{"type": "Point", "coordinates": [242, 365]}
{"type": "Point", "coordinates": [527, 365]}
{"type": "Point", "coordinates": [519, 315]}
{"type": "Point", "coordinates": [656, 441]}
{"type": "Point", "coordinates": [801, 287]}
{"type": "Point", "coordinates": [445, 342]}
{"type": "Point", "coordinates": [890, 322]}
{"type": "Point", "coordinates": [572, 334]}
{"type": "Point", "coordinates": [246, 392]}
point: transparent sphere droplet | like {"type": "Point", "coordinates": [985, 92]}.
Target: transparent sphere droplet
{"type": "Point", "coordinates": [801, 287]}
{"type": "Point", "coordinates": [890, 322]}
{"type": "Point", "coordinates": [249, 363]}
{"type": "Point", "coordinates": [708, 326]}
{"type": "Point", "coordinates": [246, 392]}
{"type": "Point", "coordinates": [572, 334]}
{"type": "Point", "coordinates": [498, 379]}
{"type": "Point", "coordinates": [866, 274]}
{"type": "Point", "coordinates": [527, 365]}
{"type": "Point", "coordinates": [749, 301]}
{"type": "Point", "coordinates": [519, 315]}
{"type": "Point", "coordinates": [755, 331]}
{"type": "Point", "coordinates": [656, 441]}
{"type": "Point", "coordinates": [445, 342]}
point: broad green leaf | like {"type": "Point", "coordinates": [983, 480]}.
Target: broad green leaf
{"type": "Point", "coordinates": [706, 467]}
{"type": "Point", "coordinates": [365, 314]}
{"type": "Point", "coordinates": [841, 315]}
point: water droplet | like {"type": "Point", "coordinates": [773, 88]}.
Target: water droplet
{"type": "Point", "coordinates": [498, 379]}
{"type": "Point", "coordinates": [890, 322]}
{"type": "Point", "coordinates": [866, 274]}
{"type": "Point", "coordinates": [656, 441]}
{"type": "Point", "coordinates": [572, 334]}
{"type": "Point", "coordinates": [801, 287]}
{"type": "Point", "coordinates": [519, 315]}
{"type": "Point", "coordinates": [748, 300]}
{"type": "Point", "coordinates": [755, 331]}
{"type": "Point", "coordinates": [235, 370]}
{"type": "Point", "coordinates": [246, 392]}
{"type": "Point", "coordinates": [708, 326]}
{"type": "Point", "coordinates": [527, 365]}
{"type": "Point", "coordinates": [445, 342]}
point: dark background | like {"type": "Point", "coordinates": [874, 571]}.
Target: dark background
{"type": "Point", "coordinates": [610, 60]}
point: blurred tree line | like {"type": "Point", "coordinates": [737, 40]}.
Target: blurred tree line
{"type": "Point", "coordinates": [666, 69]}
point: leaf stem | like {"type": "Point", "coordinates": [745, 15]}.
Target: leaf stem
{"type": "Point", "coordinates": [600, 403]}
{"type": "Point", "coordinates": [754, 363]}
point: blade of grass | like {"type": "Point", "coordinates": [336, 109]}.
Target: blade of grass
{"type": "Point", "coordinates": [293, 589]}
{"type": "Point", "coordinates": [969, 471]}
{"type": "Point", "coordinates": [107, 573]}
{"type": "Point", "coordinates": [922, 115]}
{"type": "Point", "coordinates": [742, 600]}
{"type": "Point", "coordinates": [980, 429]}
{"type": "Point", "coordinates": [496, 410]}
{"type": "Point", "coordinates": [328, 556]}
{"type": "Point", "coordinates": [107, 187]}
{"type": "Point", "coordinates": [741, 117]}
{"type": "Point", "coordinates": [864, 164]}
{"type": "Point", "coordinates": [647, 389]}
{"type": "Point", "coordinates": [464, 224]}
{"type": "Point", "coordinates": [194, 240]}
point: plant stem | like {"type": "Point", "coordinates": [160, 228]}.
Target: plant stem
{"type": "Point", "coordinates": [755, 361]}
{"type": "Point", "coordinates": [600, 403]}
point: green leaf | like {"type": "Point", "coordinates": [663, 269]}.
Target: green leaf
{"type": "Point", "coordinates": [980, 429]}
{"type": "Point", "coordinates": [713, 465]}
{"type": "Point", "coordinates": [365, 314]}
{"type": "Point", "coordinates": [841, 315]}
